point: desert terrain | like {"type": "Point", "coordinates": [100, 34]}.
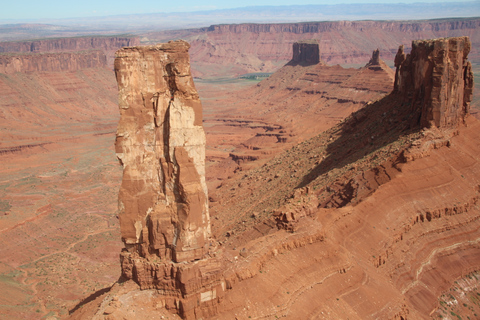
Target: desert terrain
{"type": "Point", "coordinates": [273, 146]}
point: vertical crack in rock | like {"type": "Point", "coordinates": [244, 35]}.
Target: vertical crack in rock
{"type": "Point", "coordinates": [436, 80]}
{"type": "Point", "coordinates": [163, 206]}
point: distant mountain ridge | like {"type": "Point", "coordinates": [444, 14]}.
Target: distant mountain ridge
{"type": "Point", "coordinates": [137, 23]}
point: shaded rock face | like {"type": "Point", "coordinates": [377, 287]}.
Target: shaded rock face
{"type": "Point", "coordinates": [161, 144]}
{"type": "Point", "coordinates": [375, 60]}
{"type": "Point", "coordinates": [436, 79]}
{"type": "Point", "coordinates": [305, 53]}
{"type": "Point", "coordinates": [399, 59]}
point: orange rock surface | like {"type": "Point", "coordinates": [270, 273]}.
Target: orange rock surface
{"type": "Point", "coordinates": [374, 218]}
{"type": "Point", "coordinates": [379, 216]}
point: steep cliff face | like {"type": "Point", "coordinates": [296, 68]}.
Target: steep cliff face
{"type": "Point", "coordinates": [265, 47]}
{"type": "Point", "coordinates": [306, 52]}
{"type": "Point", "coordinates": [69, 44]}
{"type": "Point", "coordinates": [164, 216]}
{"type": "Point", "coordinates": [318, 27]}
{"type": "Point", "coordinates": [51, 62]}
{"type": "Point", "coordinates": [436, 79]}
{"type": "Point", "coordinates": [108, 45]}
{"type": "Point", "coordinates": [161, 144]}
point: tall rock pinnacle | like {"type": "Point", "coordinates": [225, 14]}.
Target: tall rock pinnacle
{"type": "Point", "coordinates": [161, 145]}
{"type": "Point", "coordinates": [436, 79]}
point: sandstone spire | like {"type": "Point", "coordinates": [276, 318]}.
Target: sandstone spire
{"type": "Point", "coordinates": [436, 80]}
{"type": "Point", "coordinates": [399, 58]}
{"type": "Point", "coordinates": [161, 145]}
{"type": "Point", "coordinates": [375, 60]}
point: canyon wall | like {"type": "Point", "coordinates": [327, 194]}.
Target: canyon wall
{"type": "Point", "coordinates": [52, 62]}
{"type": "Point", "coordinates": [69, 44]}
{"type": "Point", "coordinates": [243, 48]}
{"type": "Point", "coordinates": [326, 26]}
{"type": "Point", "coordinates": [80, 45]}
{"type": "Point", "coordinates": [436, 80]}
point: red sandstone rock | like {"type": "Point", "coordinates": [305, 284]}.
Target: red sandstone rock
{"type": "Point", "coordinates": [436, 79]}
{"type": "Point", "coordinates": [76, 44]}
{"type": "Point", "coordinates": [306, 52]}
{"type": "Point", "coordinates": [375, 60]}
{"type": "Point", "coordinates": [397, 234]}
{"type": "Point", "coordinates": [163, 201]}
{"type": "Point", "coordinates": [69, 44]}
{"type": "Point", "coordinates": [51, 62]}
{"type": "Point", "coordinates": [161, 144]}
{"type": "Point", "coordinates": [399, 59]}
{"type": "Point", "coordinates": [243, 48]}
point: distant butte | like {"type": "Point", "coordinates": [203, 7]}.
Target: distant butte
{"type": "Point", "coordinates": [305, 52]}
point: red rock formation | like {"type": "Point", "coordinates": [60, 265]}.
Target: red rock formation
{"type": "Point", "coordinates": [399, 59]}
{"type": "Point", "coordinates": [69, 44]}
{"type": "Point", "coordinates": [375, 60]}
{"type": "Point", "coordinates": [161, 144]}
{"type": "Point", "coordinates": [401, 228]}
{"type": "Point", "coordinates": [163, 204]}
{"type": "Point", "coordinates": [107, 44]}
{"type": "Point", "coordinates": [306, 52]}
{"type": "Point", "coordinates": [51, 62]}
{"type": "Point", "coordinates": [436, 79]}
{"type": "Point", "coordinates": [247, 48]}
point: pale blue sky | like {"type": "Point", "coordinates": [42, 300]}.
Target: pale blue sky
{"type": "Point", "coordinates": [58, 9]}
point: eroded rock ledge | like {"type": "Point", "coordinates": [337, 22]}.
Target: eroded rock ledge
{"type": "Point", "coordinates": [163, 201]}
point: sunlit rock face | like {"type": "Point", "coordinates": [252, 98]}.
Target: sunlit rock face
{"type": "Point", "coordinates": [161, 145]}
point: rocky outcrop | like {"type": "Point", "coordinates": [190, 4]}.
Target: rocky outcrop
{"type": "Point", "coordinates": [375, 60]}
{"type": "Point", "coordinates": [306, 52]}
{"type": "Point", "coordinates": [436, 79]}
{"type": "Point", "coordinates": [399, 59]}
{"type": "Point", "coordinates": [377, 64]}
{"type": "Point", "coordinates": [161, 144]}
{"type": "Point", "coordinates": [163, 201]}
{"type": "Point", "coordinates": [51, 62]}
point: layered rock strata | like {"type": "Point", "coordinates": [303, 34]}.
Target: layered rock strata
{"type": "Point", "coordinates": [163, 204]}
{"type": "Point", "coordinates": [436, 79]}
{"type": "Point", "coordinates": [52, 62]}
{"type": "Point", "coordinates": [69, 44]}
